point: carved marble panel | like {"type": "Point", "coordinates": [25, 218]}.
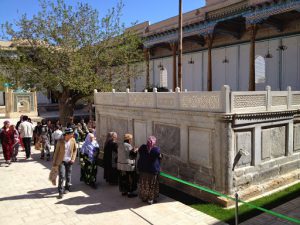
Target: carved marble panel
{"type": "Point", "coordinates": [168, 138]}
{"type": "Point", "coordinates": [273, 142]}
{"type": "Point", "coordinates": [120, 99]}
{"type": "Point", "coordinates": [141, 99]}
{"type": "Point", "coordinates": [296, 99]}
{"type": "Point", "coordinates": [246, 101]}
{"type": "Point", "coordinates": [201, 101]}
{"type": "Point", "coordinates": [279, 100]}
{"type": "Point", "coordinates": [296, 137]}
{"type": "Point", "coordinates": [140, 132]}
{"type": "Point", "coordinates": [200, 146]}
{"type": "Point", "coordinates": [118, 125]}
{"type": "Point", "coordinates": [166, 100]}
{"type": "Point", "coordinates": [103, 98]}
{"type": "Point", "coordinates": [243, 141]}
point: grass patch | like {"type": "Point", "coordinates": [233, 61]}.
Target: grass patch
{"type": "Point", "coordinates": [245, 212]}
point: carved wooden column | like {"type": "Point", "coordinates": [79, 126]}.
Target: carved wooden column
{"type": "Point", "coordinates": [180, 37]}
{"type": "Point", "coordinates": [174, 46]}
{"type": "Point", "coordinates": [147, 60]}
{"type": "Point", "coordinates": [253, 31]}
{"type": "Point", "coordinates": [209, 40]}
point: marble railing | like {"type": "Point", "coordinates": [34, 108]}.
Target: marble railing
{"type": "Point", "coordinates": [222, 101]}
{"type": "Point", "coordinates": [215, 101]}
{"type": "Point", "coordinates": [264, 101]}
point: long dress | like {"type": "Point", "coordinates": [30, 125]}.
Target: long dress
{"type": "Point", "coordinates": [110, 162]}
{"type": "Point", "coordinates": [7, 140]}
{"type": "Point", "coordinates": [149, 168]}
{"type": "Point", "coordinates": [89, 153]}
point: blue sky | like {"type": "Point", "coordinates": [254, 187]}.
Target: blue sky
{"type": "Point", "coordinates": [134, 10]}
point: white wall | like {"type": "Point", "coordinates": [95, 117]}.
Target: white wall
{"type": "Point", "coordinates": [282, 70]}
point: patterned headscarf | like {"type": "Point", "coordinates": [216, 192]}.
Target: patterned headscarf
{"type": "Point", "coordinates": [89, 147]}
{"type": "Point", "coordinates": [151, 141]}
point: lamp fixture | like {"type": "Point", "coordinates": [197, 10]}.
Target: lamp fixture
{"type": "Point", "coordinates": [268, 55]}
{"type": "Point", "coordinates": [225, 60]}
{"type": "Point", "coordinates": [191, 61]}
{"type": "Point", "coordinates": [281, 47]}
{"type": "Point", "coordinates": [160, 65]}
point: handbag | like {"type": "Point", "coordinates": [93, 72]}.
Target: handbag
{"type": "Point", "coordinates": [53, 175]}
{"type": "Point", "coordinates": [38, 145]}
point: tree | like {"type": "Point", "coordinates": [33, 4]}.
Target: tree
{"type": "Point", "coordinates": [68, 51]}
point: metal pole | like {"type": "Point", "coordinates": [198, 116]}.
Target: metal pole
{"type": "Point", "coordinates": [236, 209]}
{"type": "Point", "coordinates": [180, 46]}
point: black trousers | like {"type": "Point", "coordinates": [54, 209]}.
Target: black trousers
{"type": "Point", "coordinates": [27, 146]}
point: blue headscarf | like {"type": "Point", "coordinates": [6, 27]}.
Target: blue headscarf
{"type": "Point", "coordinates": [90, 147]}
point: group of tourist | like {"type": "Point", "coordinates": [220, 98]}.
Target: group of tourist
{"type": "Point", "coordinates": [119, 160]}
{"type": "Point", "coordinates": [133, 168]}
{"type": "Point", "coordinates": [12, 137]}
{"type": "Point", "coordinates": [129, 167]}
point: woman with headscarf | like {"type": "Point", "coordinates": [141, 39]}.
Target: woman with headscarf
{"type": "Point", "coordinates": [149, 168]}
{"type": "Point", "coordinates": [126, 167]}
{"type": "Point", "coordinates": [16, 142]}
{"type": "Point", "coordinates": [110, 158]}
{"type": "Point", "coordinates": [7, 140]}
{"type": "Point", "coordinates": [89, 152]}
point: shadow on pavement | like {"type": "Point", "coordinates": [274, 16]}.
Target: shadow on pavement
{"type": "Point", "coordinates": [105, 198]}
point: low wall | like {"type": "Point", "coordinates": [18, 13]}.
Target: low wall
{"type": "Point", "coordinates": [201, 133]}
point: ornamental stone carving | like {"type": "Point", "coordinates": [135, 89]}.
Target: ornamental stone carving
{"type": "Point", "coordinates": [205, 101]}
{"type": "Point", "coordinates": [249, 101]}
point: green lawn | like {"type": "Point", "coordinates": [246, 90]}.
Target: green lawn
{"type": "Point", "coordinates": [268, 202]}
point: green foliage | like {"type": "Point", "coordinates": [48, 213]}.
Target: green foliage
{"type": "Point", "coordinates": [69, 51]}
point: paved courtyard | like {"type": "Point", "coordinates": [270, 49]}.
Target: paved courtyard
{"type": "Point", "coordinates": [27, 197]}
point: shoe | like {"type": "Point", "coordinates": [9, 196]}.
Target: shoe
{"type": "Point", "coordinates": [60, 196]}
{"type": "Point", "coordinates": [150, 202]}
{"type": "Point", "coordinates": [131, 195]}
{"type": "Point", "coordinates": [68, 189]}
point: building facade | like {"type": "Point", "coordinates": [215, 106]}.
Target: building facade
{"type": "Point", "coordinates": [245, 44]}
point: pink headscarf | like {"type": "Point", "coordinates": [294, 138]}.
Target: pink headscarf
{"type": "Point", "coordinates": [6, 122]}
{"type": "Point", "coordinates": [151, 141]}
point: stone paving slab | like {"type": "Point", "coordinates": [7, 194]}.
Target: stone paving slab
{"type": "Point", "coordinates": [27, 197]}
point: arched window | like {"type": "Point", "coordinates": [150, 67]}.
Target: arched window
{"type": "Point", "coordinates": [163, 77]}
{"type": "Point", "coordinates": [260, 70]}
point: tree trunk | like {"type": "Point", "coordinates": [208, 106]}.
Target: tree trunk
{"type": "Point", "coordinates": [66, 108]}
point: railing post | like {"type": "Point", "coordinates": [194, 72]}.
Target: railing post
{"type": "Point", "coordinates": [155, 97]}
{"type": "Point", "coordinates": [112, 96]}
{"type": "Point", "coordinates": [269, 98]}
{"type": "Point", "coordinates": [226, 99]}
{"type": "Point", "coordinates": [177, 90]}
{"type": "Point", "coordinates": [127, 94]}
{"type": "Point", "coordinates": [289, 97]}
{"type": "Point", "coordinates": [95, 96]}
{"type": "Point", "coordinates": [236, 208]}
